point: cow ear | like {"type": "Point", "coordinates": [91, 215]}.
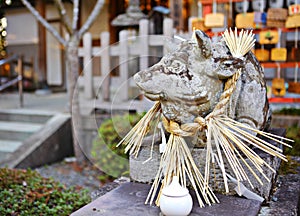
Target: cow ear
{"type": "Point", "coordinates": [204, 43]}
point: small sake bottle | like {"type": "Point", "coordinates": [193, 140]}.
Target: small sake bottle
{"type": "Point", "coordinates": [175, 199]}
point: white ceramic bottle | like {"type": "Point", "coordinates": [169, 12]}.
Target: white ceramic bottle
{"type": "Point", "coordinates": [175, 199]}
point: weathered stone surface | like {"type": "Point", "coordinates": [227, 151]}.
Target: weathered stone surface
{"type": "Point", "coordinates": [129, 198]}
{"type": "Point", "coordinates": [285, 120]}
{"type": "Point", "coordinates": [146, 172]}
{"type": "Point", "coordinates": [140, 170]}
{"type": "Point", "coordinates": [286, 199]}
{"type": "Point", "coordinates": [189, 81]}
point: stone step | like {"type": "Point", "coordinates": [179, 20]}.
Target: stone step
{"type": "Point", "coordinates": [9, 145]}
{"type": "Point", "coordinates": [20, 126]}
{"type": "Point", "coordinates": [4, 156]}
{"type": "Point", "coordinates": [24, 115]}
{"type": "Point", "coordinates": [32, 138]}
{"type": "Point", "coordinates": [17, 130]}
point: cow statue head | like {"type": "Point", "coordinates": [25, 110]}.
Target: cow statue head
{"type": "Point", "coordinates": [189, 81]}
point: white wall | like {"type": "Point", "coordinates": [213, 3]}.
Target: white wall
{"type": "Point", "coordinates": [22, 36]}
{"type": "Point", "coordinates": [54, 59]}
{"type": "Point", "coordinates": [21, 28]}
{"type": "Point", "coordinates": [54, 50]}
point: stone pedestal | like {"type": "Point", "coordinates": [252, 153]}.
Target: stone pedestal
{"type": "Point", "coordinates": [146, 172]}
{"type": "Point", "coordinates": [129, 198]}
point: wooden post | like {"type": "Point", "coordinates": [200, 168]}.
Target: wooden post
{"type": "Point", "coordinates": [88, 66]}
{"type": "Point", "coordinates": [176, 13]}
{"type": "Point", "coordinates": [123, 65]}
{"type": "Point", "coordinates": [42, 58]}
{"type": "Point", "coordinates": [144, 44]}
{"type": "Point", "coordinates": [167, 30]}
{"type": "Point", "coordinates": [20, 80]}
{"type": "Point", "coordinates": [116, 7]}
{"type": "Point", "coordinates": [105, 65]}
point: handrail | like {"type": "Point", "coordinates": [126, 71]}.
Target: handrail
{"type": "Point", "coordinates": [9, 59]}
{"type": "Point", "coordinates": [10, 82]}
{"type": "Point", "coordinates": [18, 79]}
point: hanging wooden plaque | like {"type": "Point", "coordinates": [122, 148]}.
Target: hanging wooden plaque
{"type": "Point", "coordinates": [293, 21]}
{"type": "Point", "coordinates": [294, 54]}
{"type": "Point", "coordinates": [294, 87]}
{"type": "Point", "coordinates": [262, 55]}
{"type": "Point", "coordinates": [278, 87]}
{"type": "Point", "coordinates": [214, 20]}
{"type": "Point", "coordinates": [278, 54]}
{"type": "Point", "coordinates": [268, 37]}
{"type": "Point", "coordinates": [244, 20]}
{"type": "Point", "coordinates": [198, 23]}
{"type": "Point", "coordinates": [277, 14]}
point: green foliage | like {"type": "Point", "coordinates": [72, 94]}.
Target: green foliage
{"type": "Point", "coordinates": [111, 159]}
{"type": "Point", "coordinates": [25, 192]}
{"type": "Point", "coordinates": [288, 111]}
{"type": "Point", "coordinates": [293, 132]}
{"type": "Point", "coordinates": [289, 167]}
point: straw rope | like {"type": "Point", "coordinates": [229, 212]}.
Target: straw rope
{"type": "Point", "coordinates": [200, 123]}
{"type": "Point", "coordinates": [239, 45]}
{"type": "Point", "coordinates": [227, 133]}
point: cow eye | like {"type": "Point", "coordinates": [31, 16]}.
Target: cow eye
{"type": "Point", "coordinates": [227, 63]}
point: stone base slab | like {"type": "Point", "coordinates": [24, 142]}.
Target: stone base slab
{"type": "Point", "coordinates": [128, 199]}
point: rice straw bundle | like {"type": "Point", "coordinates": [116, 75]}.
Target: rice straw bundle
{"type": "Point", "coordinates": [225, 136]}
{"type": "Point", "coordinates": [177, 160]}
{"type": "Point", "coordinates": [239, 45]}
{"type": "Point", "coordinates": [228, 134]}
{"type": "Point", "coordinates": [231, 138]}
{"type": "Point", "coordinates": [133, 140]}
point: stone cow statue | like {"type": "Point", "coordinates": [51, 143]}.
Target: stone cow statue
{"type": "Point", "coordinates": [189, 81]}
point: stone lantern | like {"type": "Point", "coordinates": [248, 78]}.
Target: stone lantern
{"type": "Point", "coordinates": [132, 16]}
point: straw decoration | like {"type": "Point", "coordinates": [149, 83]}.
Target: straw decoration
{"type": "Point", "coordinates": [239, 45]}
{"type": "Point", "coordinates": [133, 140]}
{"type": "Point", "coordinates": [231, 137]}
{"type": "Point", "coordinates": [226, 138]}
{"type": "Point", "coordinates": [227, 134]}
{"type": "Point", "coordinates": [177, 161]}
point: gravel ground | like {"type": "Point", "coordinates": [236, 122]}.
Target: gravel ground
{"type": "Point", "coordinates": [86, 177]}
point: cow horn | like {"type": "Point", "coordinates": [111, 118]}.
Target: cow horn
{"type": "Point", "coordinates": [204, 43]}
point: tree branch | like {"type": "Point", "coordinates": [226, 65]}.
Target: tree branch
{"type": "Point", "coordinates": [91, 18]}
{"type": "Point", "coordinates": [63, 13]}
{"type": "Point", "coordinates": [49, 27]}
{"type": "Point", "coordinates": [75, 14]}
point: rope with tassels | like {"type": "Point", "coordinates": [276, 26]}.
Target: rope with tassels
{"type": "Point", "coordinates": [227, 134]}
{"type": "Point", "coordinates": [200, 123]}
